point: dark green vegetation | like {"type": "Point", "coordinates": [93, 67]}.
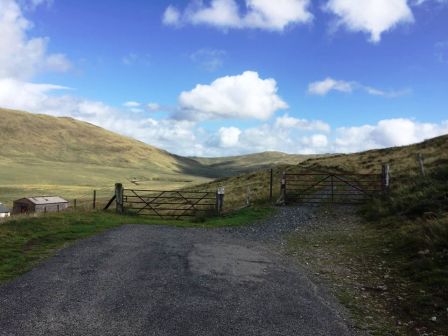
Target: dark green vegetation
{"type": "Point", "coordinates": [25, 241]}
{"type": "Point", "coordinates": [412, 224]}
{"type": "Point", "coordinates": [389, 265]}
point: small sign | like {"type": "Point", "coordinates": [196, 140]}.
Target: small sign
{"type": "Point", "coordinates": [221, 191]}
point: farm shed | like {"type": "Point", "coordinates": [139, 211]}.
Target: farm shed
{"type": "Point", "coordinates": [4, 211]}
{"type": "Point", "coordinates": [40, 204]}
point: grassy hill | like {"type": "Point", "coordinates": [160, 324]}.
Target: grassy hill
{"type": "Point", "coordinates": [234, 165]}
{"type": "Point", "coordinates": [43, 154]}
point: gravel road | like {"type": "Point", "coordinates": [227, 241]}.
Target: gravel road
{"type": "Point", "coordinates": [155, 280]}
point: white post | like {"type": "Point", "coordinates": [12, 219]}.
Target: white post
{"type": "Point", "coordinates": [220, 200]}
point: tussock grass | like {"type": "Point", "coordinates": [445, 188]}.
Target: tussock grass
{"type": "Point", "coordinates": [413, 224]}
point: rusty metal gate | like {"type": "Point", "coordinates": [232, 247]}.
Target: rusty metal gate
{"type": "Point", "coordinates": [331, 188]}
{"type": "Point", "coordinates": [168, 204]}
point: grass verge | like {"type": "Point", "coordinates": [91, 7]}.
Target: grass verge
{"type": "Point", "coordinates": [26, 241]}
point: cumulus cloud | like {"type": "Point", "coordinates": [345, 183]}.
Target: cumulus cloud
{"type": "Point", "coordinates": [171, 16]}
{"type": "Point", "coordinates": [185, 137]}
{"type": "Point", "coordinates": [259, 14]}
{"type": "Point", "coordinates": [373, 17]}
{"type": "Point", "coordinates": [386, 133]}
{"type": "Point", "coordinates": [323, 87]}
{"type": "Point", "coordinates": [21, 57]}
{"type": "Point", "coordinates": [315, 141]}
{"type": "Point", "coordinates": [229, 136]}
{"type": "Point", "coordinates": [287, 122]}
{"type": "Point", "coordinates": [238, 97]}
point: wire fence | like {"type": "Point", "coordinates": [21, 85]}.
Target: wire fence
{"type": "Point", "coordinates": [96, 199]}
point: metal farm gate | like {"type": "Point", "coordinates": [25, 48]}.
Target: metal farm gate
{"type": "Point", "coordinates": [168, 204]}
{"type": "Point", "coordinates": [322, 188]}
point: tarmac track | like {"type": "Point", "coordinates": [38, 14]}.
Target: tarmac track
{"type": "Point", "coordinates": [155, 280]}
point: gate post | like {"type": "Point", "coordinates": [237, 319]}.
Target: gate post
{"type": "Point", "coordinates": [283, 188]}
{"type": "Point", "coordinates": [219, 200]}
{"type": "Point", "coordinates": [119, 198]}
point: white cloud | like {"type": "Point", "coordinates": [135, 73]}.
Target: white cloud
{"type": "Point", "coordinates": [171, 16]}
{"type": "Point", "coordinates": [239, 97]}
{"type": "Point", "coordinates": [260, 14]}
{"type": "Point", "coordinates": [209, 59]}
{"type": "Point", "coordinates": [322, 88]}
{"type": "Point", "coordinates": [421, 2]}
{"type": "Point", "coordinates": [153, 107]}
{"type": "Point", "coordinates": [22, 57]}
{"type": "Point", "coordinates": [229, 136]}
{"type": "Point", "coordinates": [185, 137]}
{"type": "Point", "coordinates": [132, 104]}
{"type": "Point", "coordinates": [374, 17]}
{"type": "Point", "coordinates": [329, 84]}
{"type": "Point", "coordinates": [316, 141]}
{"type": "Point", "coordinates": [386, 133]}
{"type": "Point", "coordinates": [287, 122]}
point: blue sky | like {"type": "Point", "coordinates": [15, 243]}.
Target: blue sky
{"type": "Point", "coordinates": [224, 77]}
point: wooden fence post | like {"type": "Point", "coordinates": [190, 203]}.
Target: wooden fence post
{"type": "Point", "coordinates": [421, 164]}
{"type": "Point", "coordinates": [74, 203]}
{"type": "Point", "coordinates": [386, 177]}
{"type": "Point", "coordinates": [94, 199]}
{"type": "Point", "coordinates": [220, 200]}
{"type": "Point", "coordinates": [119, 198]}
{"type": "Point", "coordinates": [270, 184]}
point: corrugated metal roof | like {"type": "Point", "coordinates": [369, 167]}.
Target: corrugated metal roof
{"type": "Point", "coordinates": [3, 209]}
{"type": "Point", "coordinates": [46, 200]}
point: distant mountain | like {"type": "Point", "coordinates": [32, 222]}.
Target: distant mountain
{"type": "Point", "coordinates": [233, 165]}
{"type": "Point", "coordinates": [41, 154]}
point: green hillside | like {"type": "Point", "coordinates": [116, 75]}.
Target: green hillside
{"type": "Point", "coordinates": [42, 154]}
{"type": "Point", "coordinates": [48, 155]}
{"type": "Point", "coordinates": [233, 165]}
